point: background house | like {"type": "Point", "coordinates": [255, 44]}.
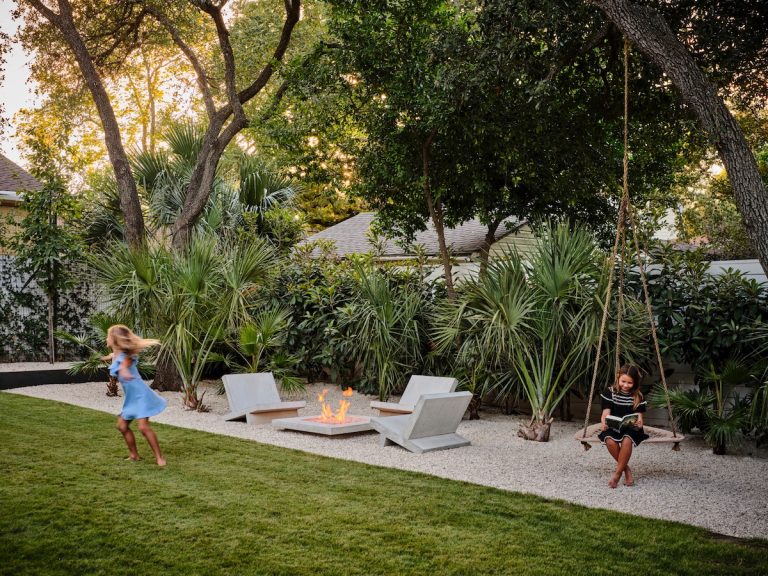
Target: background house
{"type": "Point", "coordinates": [464, 242]}
{"type": "Point", "coordinates": [13, 180]}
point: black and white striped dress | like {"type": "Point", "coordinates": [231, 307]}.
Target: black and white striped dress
{"type": "Point", "coordinates": [620, 405]}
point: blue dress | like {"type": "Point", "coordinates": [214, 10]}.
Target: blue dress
{"type": "Point", "coordinates": [140, 400]}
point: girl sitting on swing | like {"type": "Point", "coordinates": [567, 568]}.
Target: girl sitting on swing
{"type": "Point", "coordinates": [621, 399]}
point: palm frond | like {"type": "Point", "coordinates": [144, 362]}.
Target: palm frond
{"type": "Point", "coordinates": [185, 140]}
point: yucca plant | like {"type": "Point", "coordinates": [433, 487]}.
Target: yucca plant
{"type": "Point", "coordinates": [484, 326]}
{"type": "Point", "coordinates": [190, 353]}
{"type": "Point", "coordinates": [547, 370]}
{"type": "Point", "coordinates": [526, 328]}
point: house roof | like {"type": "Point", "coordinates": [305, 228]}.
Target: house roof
{"type": "Point", "coordinates": [350, 237]}
{"type": "Point", "coordinates": [13, 179]}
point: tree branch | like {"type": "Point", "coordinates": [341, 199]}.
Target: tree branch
{"type": "Point", "coordinates": [229, 60]}
{"type": "Point", "coordinates": [292, 11]}
{"type": "Point", "coordinates": [650, 33]}
{"type": "Point", "coordinates": [202, 77]}
{"type": "Point", "coordinates": [133, 29]}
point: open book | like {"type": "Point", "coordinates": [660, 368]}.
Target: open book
{"type": "Point", "coordinates": [620, 424]}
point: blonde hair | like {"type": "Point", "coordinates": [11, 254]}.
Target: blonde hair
{"type": "Point", "coordinates": [123, 338]}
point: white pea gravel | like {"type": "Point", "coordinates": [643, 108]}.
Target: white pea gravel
{"type": "Point", "coordinates": [724, 494]}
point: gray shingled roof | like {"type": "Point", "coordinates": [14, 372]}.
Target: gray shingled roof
{"type": "Point", "coordinates": [14, 178]}
{"type": "Point", "coordinates": [350, 237]}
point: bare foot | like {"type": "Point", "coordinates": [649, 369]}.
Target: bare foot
{"type": "Point", "coordinates": [614, 481]}
{"type": "Point", "coordinates": [161, 462]}
{"type": "Point", "coordinates": [133, 458]}
{"type": "Point", "coordinates": [629, 480]}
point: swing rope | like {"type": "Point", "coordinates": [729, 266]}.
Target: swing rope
{"type": "Point", "coordinates": [626, 214]}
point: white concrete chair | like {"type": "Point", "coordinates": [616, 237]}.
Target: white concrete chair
{"type": "Point", "coordinates": [254, 398]}
{"type": "Point", "coordinates": [431, 426]}
{"type": "Point", "coordinates": [417, 386]}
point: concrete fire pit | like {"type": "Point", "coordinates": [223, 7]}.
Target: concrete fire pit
{"type": "Point", "coordinates": [315, 425]}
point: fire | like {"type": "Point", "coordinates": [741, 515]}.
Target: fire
{"type": "Point", "coordinates": [327, 414]}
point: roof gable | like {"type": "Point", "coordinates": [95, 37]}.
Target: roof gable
{"type": "Point", "coordinates": [350, 237]}
{"type": "Point", "coordinates": [13, 178]}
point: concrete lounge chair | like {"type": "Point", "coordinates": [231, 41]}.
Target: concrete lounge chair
{"type": "Point", "coordinates": [417, 386]}
{"type": "Point", "coordinates": [431, 426]}
{"type": "Point", "coordinates": [254, 397]}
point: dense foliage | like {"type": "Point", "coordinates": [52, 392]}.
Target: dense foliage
{"type": "Point", "coordinates": [714, 322]}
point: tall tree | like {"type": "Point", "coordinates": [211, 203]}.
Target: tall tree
{"type": "Point", "coordinates": [651, 34]}
{"type": "Point", "coordinates": [123, 21]}
{"type": "Point", "coordinates": [543, 120]}
{"type": "Point", "coordinates": [403, 58]}
{"type": "Point", "coordinates": [46, 244]}
{"type": "Point", "coordinates": [98, 33]}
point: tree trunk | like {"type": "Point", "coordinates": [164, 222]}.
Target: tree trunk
{"type": "Point", "coordinates": [647, 30]}
{"type": "Point", "coordinates": [126, 186]}
{"type": "Point", "coordinates": [537, 431]}
{"type": "Point", "coordinates": [112, 387]}
{"type": "Point", "coordinates": [474, 406]}
{"type": "Point", "coordinates": [219, 134]}
{"type": "Point", "coordinates": [51, 329]}
{"type": "Point", "coordinates": [201, 181]}
{"type": "Point", "coordinates": [436, 213]}
{"type": "Point", "coordinates": [167, 378]}
{"type": "Point", "coordinates": [490, 239]}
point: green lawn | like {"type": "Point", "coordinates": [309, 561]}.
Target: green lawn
{"type": "Point", "coordinates": [70, 504]}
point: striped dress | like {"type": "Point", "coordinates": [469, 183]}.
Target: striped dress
{"type": "Point", "coordinates": [620, 405]}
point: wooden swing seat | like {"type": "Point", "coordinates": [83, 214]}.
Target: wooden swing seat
{"type": "Point", "coordinates": [657, 435]}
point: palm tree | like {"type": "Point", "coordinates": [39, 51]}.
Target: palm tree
{"type": "Point", "coordinates": [261, 188]}
{"type": "Point", "coordinates": [192, 299]}
{"type": "Point", "coordinates": [243, 184]}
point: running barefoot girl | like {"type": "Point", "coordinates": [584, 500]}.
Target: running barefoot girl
{"type": "Point", "coordinates": [623, 398]}
{"type": "Point", "coordinates": [141, 402]}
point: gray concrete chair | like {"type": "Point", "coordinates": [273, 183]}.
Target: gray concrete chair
{"type": "Point", "coordinates": [431, 426]}
{"type": "Point", "coordinates": [417, 386]}
{"type": "Point", "coordinates": [254, 398]}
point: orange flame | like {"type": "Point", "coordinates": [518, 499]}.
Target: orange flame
{"type": "Point", "coordinates": [327, 414]}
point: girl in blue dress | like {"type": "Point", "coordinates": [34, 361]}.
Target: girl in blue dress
{"type": "Point", "coordinates": [141, 402]}
{"type": "Point", "coordinates": [622, 399]}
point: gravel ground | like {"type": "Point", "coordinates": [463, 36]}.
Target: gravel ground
{"type": "Point", "coordinates": [725, 494]}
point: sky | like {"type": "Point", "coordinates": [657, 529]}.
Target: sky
{"type": "Point", "coordinates": [15, 91]}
